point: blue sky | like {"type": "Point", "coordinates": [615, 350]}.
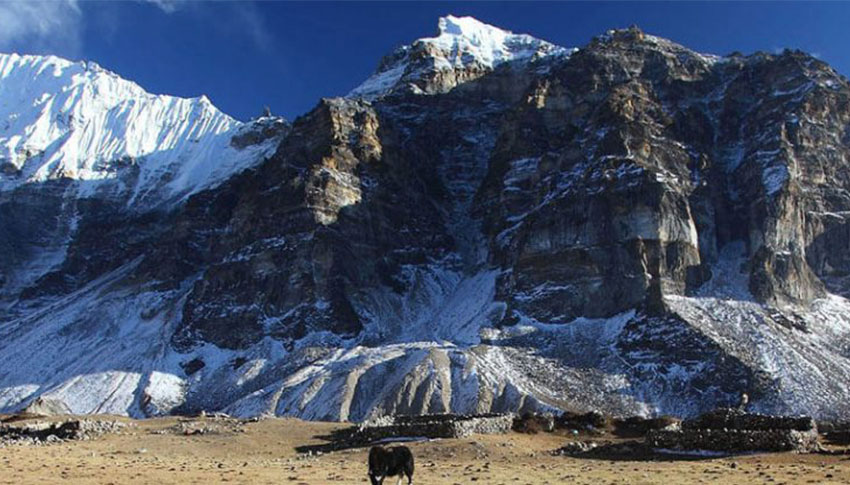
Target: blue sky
{"type": "Point", "coordinates": [287, 55]}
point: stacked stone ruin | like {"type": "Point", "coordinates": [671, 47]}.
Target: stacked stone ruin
{"type": "Point", "coordinates": [36, 432]}
{"type": "Point", "coordinates": [733, 431]}
{"type": "Point", "coordinates": [835, 432]}
{"type": "Point", "coordinates": [435, 426]}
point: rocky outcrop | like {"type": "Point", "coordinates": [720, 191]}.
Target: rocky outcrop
{"type": "Point", "coordinates": [647, 160]}
{"type": "Point", "coordinates": [46, 407]}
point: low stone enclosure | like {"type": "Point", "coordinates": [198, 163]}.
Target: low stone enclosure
{"type": "Point", "coordinates": [436, 426]}
{"type": "Point", "coordinates": [726, 431]}
{"type": "Point", "coordinates": [733, 431]}
{"type": "Point", "coordinates": [405, 428]}
{"type": "Point", "coordinates": [36, 432]}
{"type": "Point", "coordinates": [723, 430]}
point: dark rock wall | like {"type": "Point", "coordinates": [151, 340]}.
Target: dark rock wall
{"type": "Point", "coordinates": [647, 159]}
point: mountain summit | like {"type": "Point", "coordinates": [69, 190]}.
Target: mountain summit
{"type": "Point", "coordinates": [489, 223]}
{"type": "Point", "coordinates": [78, 121]}
{"type": "Point", "coordinates": [464, 50]}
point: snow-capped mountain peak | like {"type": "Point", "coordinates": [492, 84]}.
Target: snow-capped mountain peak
{"type": "Point", "coordinates": [467, 39]}
{"type": "Point", "coordinates": [462, 44]}
{"type": "Point", "coordinates": [76, 120]}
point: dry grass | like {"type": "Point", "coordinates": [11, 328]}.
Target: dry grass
{"type": "Point", "coordinates": [265, 453]}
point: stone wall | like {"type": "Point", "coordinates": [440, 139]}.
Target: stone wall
{"type": "Point", "coordinates": [435, 426]}
{"type": "Point", "coordinates": [734, 419]}
{"type": "Point", "coordinates": [734, 431]}
{"type": "Point", "coordinates": [734, 441]}
{"type": "Point", "coordinates": [45, 432]}
{"type": "Point", "coordinates": [492, 424]}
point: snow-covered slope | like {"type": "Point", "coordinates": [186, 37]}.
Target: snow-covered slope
{"type": "Point", "coordinates": [463, 44]}
{"type": "Point", "coordinates": [76, 120]}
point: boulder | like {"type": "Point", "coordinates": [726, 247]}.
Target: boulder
{"type": "Point", "coordinates": [43, 406]}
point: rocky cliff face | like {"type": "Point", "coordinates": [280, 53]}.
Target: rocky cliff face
{"type": "Point", "coordinates": [647, 159]}
{"type": "Point", "coordinates": [490, 223]}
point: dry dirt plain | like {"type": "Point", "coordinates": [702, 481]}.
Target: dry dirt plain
{"type": "Point", "coordinates": [157, 452]}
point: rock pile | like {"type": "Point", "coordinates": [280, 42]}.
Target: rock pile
{"type": "Point", "coordinates": [207, 424]}
{"type": "Point", "coordinates": [585, 421]}
{"type": "Point", "coordinates": [534, 423]}
{"type": "Point", "coordinates": [39, 432]}
{"type": "Point", "coordinates": [576, 448]}
{"type": "Point", "coordinates": [602, 449]}
{"type": "Point", "coordinates": [732, 431]}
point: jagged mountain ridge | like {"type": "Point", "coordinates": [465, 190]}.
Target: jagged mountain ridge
{"type": "Point", "coordinates": [630, 226]}
{"type": "Point", "coordinates": [75, 135]}
{"type": "Point", "coordinates": [78, 121]}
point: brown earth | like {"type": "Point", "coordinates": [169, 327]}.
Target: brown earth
{"type": "Point", "coordinates": [158, 452]}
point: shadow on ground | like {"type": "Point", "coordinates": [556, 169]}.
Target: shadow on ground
{"type": "Point", "coordinates": [633, 450]}
{"type": "Point", "coordinates": [344, 439]}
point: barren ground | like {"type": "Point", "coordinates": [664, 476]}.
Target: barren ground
{"type": "Point", "coordinates": [264, 452]}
